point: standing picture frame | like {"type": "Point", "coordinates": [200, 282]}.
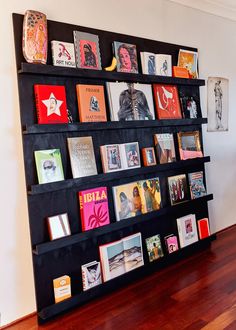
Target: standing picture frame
{"type": "Point", "coordinates": [189, 145]}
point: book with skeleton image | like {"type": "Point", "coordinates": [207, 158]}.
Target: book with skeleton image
{"type": "Point", "coordinates": [91, 275]}
{"type": "Point", "coordinates": [120, 257]}
{"type": "Point", "coordinates": [129, 101]}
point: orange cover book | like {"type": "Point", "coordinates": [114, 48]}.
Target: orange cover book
{"type": "Point", "coordinates": [180, 72]}
{"type": "Point", "coordinates": [91, 103]}
{"type": "Point", "coordinates": [203, 228]}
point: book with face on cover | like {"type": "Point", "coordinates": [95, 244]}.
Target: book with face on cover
{"type": "Point", "coordinates": [94, 210]}
{"type": "Point", "coordinates": [126, 55]}
{"type": "Point", "coordinates": [187, 230]}
{"type": "Point", "coordinates": [51, 104]}
{"type": "Point", "coordinates": [82, 156]}
{"type": "Point", "coordinates": [91, 275]}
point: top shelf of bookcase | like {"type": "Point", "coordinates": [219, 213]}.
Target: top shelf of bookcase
{"type": "Point", "coordinates": [51, 70]}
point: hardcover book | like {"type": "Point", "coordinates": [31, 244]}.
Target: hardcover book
{"type": "Point", "coordinates": [154, 247]}
{"type": "Point", "coordinates": [62, 288]}
{"type": "Point", "coordinates": [58, 226]}
{"type": "Point", "coordinates": [87, 51]}
{"type": "Point", "coordinates": [129, 101]}
{"type": "Point", "coordinates": [149, 158]}
{"type": "Point", "coordinates": [148, 63]}
{"type": "Point", "coordinates": [177, 189]}
{"type": "Point", "coordinates": [91, 103]}
{"type": "Point", "coordinates": [163, 65]}
{"type": "Point", "coordinates": [196, 184]}
{"type": "Point", "coordinates": [51, 104]}
{"type": "Point", "coordinates": [120, 257]}
{"type": "Point", "coordinates": [190, 104]}
{"type": "Point", "coordinates": [189, 145]}
{"type": "Point", "coordinates": [188, 59]}
{"type": "Point", "coordinates": [82, 156]}
{"type": "Point", "coordinates": [91, 275]}
{"type": "Point", "coordinates": [63, 54]}
{"type": "Point", "coordinates": [126, 56]}
{"type": "Point", "coordinates": [203, 228]}
{"type": "Point", "coordinates": [111, 158]}
{"type": "Point", "coordinates": [130, 156]}
{"type": "Point", "coordinates": [94, 210]}
{"type": "Point", "coordinates": [49, 165]}
{"type": "Point", "coordinates": [167, 102]}
{"type": "Point", "coordinates": [171, 242]}
{"type": "Point", "coordinates": [187, 230]}
{"type": "Point", "coordinates": [165, 148]}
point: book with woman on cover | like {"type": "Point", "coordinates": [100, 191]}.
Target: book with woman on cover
{"type": "Point", "coordinates": [126, 55]}
{"type": "Point", "coordinates": [178, 189]}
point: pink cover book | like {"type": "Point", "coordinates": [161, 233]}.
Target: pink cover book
{"type": "Point", "coordinates": [186, 154]}
{"type": "Point", "coordinates": [94, 208]}
{"type": "Point", "coordinates": [172, 244]}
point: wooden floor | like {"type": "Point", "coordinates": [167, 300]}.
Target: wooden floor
{"type": "Point", "coordinates": [197, 293]}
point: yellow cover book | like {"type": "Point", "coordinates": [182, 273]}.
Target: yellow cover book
{"type": "Point", "coordinates": [62, 288]}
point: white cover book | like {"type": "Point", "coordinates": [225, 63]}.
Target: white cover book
{"type": "Point", "coordinates": [187, 229]}
{"type": "Point", "coordinates": [63, 54]}
{"type": "Point", "coordinates": [163, 65]}
{"type": "Point", "coordinates": [148, 63]}
{"type": "Point", "coordinates": [91, 275]}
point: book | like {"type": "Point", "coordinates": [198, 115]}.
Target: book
{"type": "Point", "coordinates": [126, 56]}
{"type": "Point", "coordinates": [163, 65]}
{"type": "Point", "coordinates": [62, 288]}
{"type": "Point", "coordinates": [136, 198]}
{"type": "Point", "coordinates": [171, 242]}
{"type": "Point", "coordinates": [94, 210]}
{"type": "Point", "coordinates": [51, 104]}
{"type": "Point", "coordinates": [167, 102]}
{"type": "Point", "coordinates": [49, 165]}
{"type": "Point", "coordinates": [111, 158]}
{"type": "Point", "coordinates": [130, 156]}
{"type": "Point", "coordinates": [165, 148]}
{"type": "Point", "coordinates": [154, 247]}
{"type": "Point", "coordinates": [129, 101]}
{"type": "Point", "coordinates": [148, 63]}
{"type": "Point", "coordinates": [189, 145]}
{"type": "Point", "coordinates": [63, 54]}
{"type": "Point", "coordinates": [180, 72]}
{"type": "Point", "coordinates": [190, 103]}
{"type": "Point", "coordinates": [91, 275]}
{"type": "Point", "coordinates": [188, 59]}
{"type": "Point", "coordinates": [122, 256]}
{"type": "Point", "coordinates": [149, 158]}
{"type": "Point", "coordinates": [82, 156]}
{"type": "Point", "coordinates": [196, 184]}
{"type": "Point", "coordinates": [177, 189]}
{"type": "Point", "coordinates": [187, 230]}
{"type": "Point", "coordinates": [91, 103]}
{"type": "Point", "coordinates": [87, 50]}
{"type": "Point", "coordinates": [203, 228]}
{"type": "Point", "coordinates": [58, 226]}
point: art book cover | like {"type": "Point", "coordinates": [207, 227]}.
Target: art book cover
{"type": "Point", "coordinates": [178, 189]}
{"type": "Point", "coordinates": [111, 158]}
{"type": "Point", "coordinates": [171, 242]}
{"type": "Point", "coordinates": [130, 155]}
{"type": "Point", "coordinates": [91, 275]}
{"type": "Point", "coordinates": [87, 50]}
{"type": "Point", "coordinates": [165, 148]}
{"type": "Point", "coordinates": [58, 226]}
{"type": "Point", "coordinates": [49, 165]}
{"type": "Point", "coordinates": [154, 247]}
{"type": "Point", "coordinates": [149, 157]}
{"type": "Point", "coordinates": [196, 184]}
{"type": "Point", "coordinates": [163, 65]}
{"type": "Point", "coordinates": [150, 194]}
{"type": "Point", "coordinates": [203, 228]}
{"type": "Point", "coordinates": [94, 208]}
{"type": "Point", "coordinates": [129, 101]}
{"type": "Point", "coordinates": [120, 257]}
{"type": "Point", "coordinates": [167, 102]}
{"type": "Point", "coordinates": [82, 156]}
{"type": "Point", "coordinates": [190, 104]}
{"type": "Point", "coordinates": [148, 63]}
{"type": "Point", "coordinates": [51, 104]}
{"type": "Point", "coordinates": [91, 103]}
{"type": "Point", "coordinates": [189, 145]}
{"type": "Point", "coordinates": [126, 56]}
{"type": "Point", "coordinates": [62, 288]}
{"type": "Point", "coordinates": [63, 54]}
{"type": "Point", "coordinates": [187, 230]}
{"type": "Point", "coordinates": [188, 59]}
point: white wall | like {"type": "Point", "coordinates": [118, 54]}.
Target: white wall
{"type": "Point", "coordinates": [155, 19]}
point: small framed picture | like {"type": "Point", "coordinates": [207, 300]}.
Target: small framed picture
{"type": "Point", "coordinates": [189, 145]}
{"type": "Point", "coordinates": [149, 158]}
{"type": "Point", "coordinates": [58, 226]}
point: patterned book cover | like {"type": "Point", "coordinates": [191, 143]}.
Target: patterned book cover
{"type": "Point", "coordinates": [163, 65]}
{"type": "Point", "coordinates": [91, 103]}
{"type": "Point", "coordinates": [171, 243]}
{"type": "Point", "coordinates": [63, 54]}
{"type": "Point", "coordinates": [49, 165]}
{"type": "Point", "coordinates": [203, 228]}
{"type": "Point", "coordinates": [178, 189]}
{"type": "Point", "coordinates": [126, 55]}
{"type": "Point", "coordinates": [165, 147]}
{"type": "Point", "coordinates": [187, 229]}
{"type": "Point", "coordinates": [91, 275]}
{"type": "Point", "coordinates": [94, 208]}
{"type": "Point", "coordinates": [167, 102]}
{"type": "Point", "coordinates": [51, 104]}
{"type": "Point", "coordinates": [196, 184]}
{"type": "Point", "coordinates": [154, 247]}
{"type": "Point", "coordinates": [82, 156]}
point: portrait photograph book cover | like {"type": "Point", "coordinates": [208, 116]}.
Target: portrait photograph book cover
{"type": "Point", "coordinates": [165, 147]}
{"type": "Point", "coordinates": [49, 165]}
{"type": "Point", "coordinates": [91, 103]}
{"type": "Point", "coordinates": [187, 230]}
{"type": "Point", "coordinates": [154, 248]}
{"type": "Point", "coordinates": [178, 189]}
{"type": "Point", "coordinates": [196, 184]}
{"type": "Point", "coordinates": [126, 56]}
{"type": "Point", "coordinates": [63, 54]}
{"type": "Point", "coordinates": [122, 256]}
{"type": "Point", "coordinates": [94, 210]}
{"type": "Point", "coordinates": [91, 275]}
{"type": "Point", "coordinates": [50, 103]}
{"type": "Point", "coordinates": [130, 101]}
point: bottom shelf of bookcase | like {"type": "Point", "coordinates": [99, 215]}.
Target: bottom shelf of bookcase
{"type": "Point", "coordinates": [77, 300]}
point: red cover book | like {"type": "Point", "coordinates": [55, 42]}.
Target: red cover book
{"type": "Point", "coordinates": [203, 228]}
{"type": "Point", "coordinates": [51, 104]}
{"type": "Point", "coordinates": [94, 208]}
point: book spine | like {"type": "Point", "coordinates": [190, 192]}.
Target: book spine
{"type": "Point", "coordinates": [84, 282]}
{"type": "Point", "coordinates": [37, 103]}
{"type": "Point", "coordinates": [81, 206]}
{"type": "Point", "coordinates": [77, 50]}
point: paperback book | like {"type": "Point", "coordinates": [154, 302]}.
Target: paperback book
{"type": "Point", "coordinates": [126, 56]}
{"type": "Point", "coordinates": [91, 275]}
{"type": "Point", "coordinates": [120, 257]}
{"type": "Point", "coordinates": [58, 226]}
{"type": "Point", "coordinates": [154, 248]}
{"type": "Point", "coordinates": [163, 65]}
{"type": "Point", "coordinates": [63, 54]}
{"type": "Point", "coordinates": [203, 228]}
{"type": "Point", "coordinates": [187, 230]}
{"type": "Point", "coordinates": [196, 184]}
{"type": "Point", "coordinates": [148, 63]}
{"type": "Point", "coordinates": [94, 210]}
{"type": "Point", "coordinates": [178, 189]}
{"type": "Point", "coordinates": [62, 288]}
{"type": "Point", "coordinates": [171, 242]}
{"type": "Point", "coordinates": [165, 148]}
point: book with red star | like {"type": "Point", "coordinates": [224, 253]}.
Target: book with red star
{"type": "Point", "coordinates": [51, 104]}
